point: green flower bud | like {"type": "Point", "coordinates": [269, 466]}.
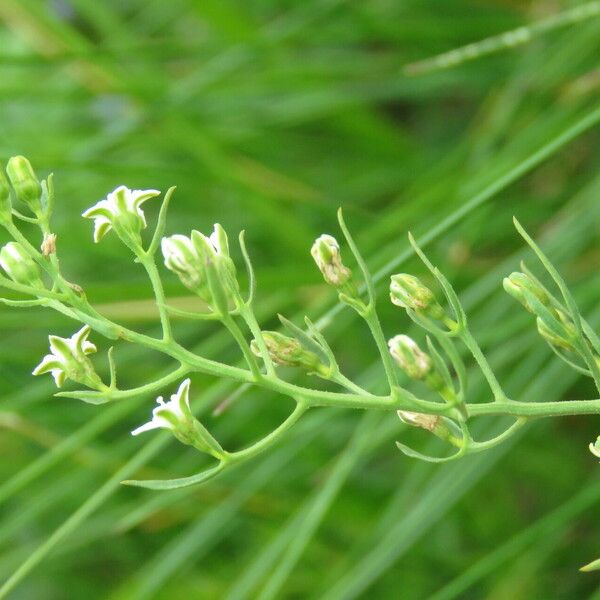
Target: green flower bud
{"type": "Point", "coordinates": [68, 359]}
{"type": "Point", "coordinates": [326, 253]}
{"type": "Point", "coordinates": [5, 203]}
{"type": "Point", "coordinates": [182, 258]}
{"type": "Point", "coordinates": [409, 292]}
{"type": "Point", "coordinates": [26, 185]}
{"type": "Point", "coordinates": [521, 287]}
{"type": "Point", "coordinates": [410, 358]}
{"type": "Point", "coordinates": [191, 258]}
{"type": "Point", "coordinates": [19, 266]}
{"type": "Point", "coordinates": [289, 352]}
{"type": "Point", "coordinates": [560, 333]}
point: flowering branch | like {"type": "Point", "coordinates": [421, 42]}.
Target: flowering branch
{"type": "Point", "coordinates": [203, 264]}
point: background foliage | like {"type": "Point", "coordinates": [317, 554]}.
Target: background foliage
{"type": "Point", "coordinates": [268, 115]}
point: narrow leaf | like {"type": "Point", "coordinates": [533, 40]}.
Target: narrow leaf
{"type": "Point", "coordinates": [173, 484]}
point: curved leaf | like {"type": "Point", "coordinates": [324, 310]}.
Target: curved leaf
{"type": "Point", "coordinates": [173, 484]}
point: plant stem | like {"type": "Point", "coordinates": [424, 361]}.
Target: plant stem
{"type": "Point", "coordinates": [111, 395]}
{"type": "Point", "coordinates": [248, 315]}
{"type": "Point", "coordinates": [237, 334]}
{"type": "Point", "coordinates": [473, 346]}
{"type": "Point", "coordinates": [270, 439]}
{"type": "Point", "coordinates": [535, 409]}
{"type": "Point", "coordinates": [348, 384]}
{"type": "Point", "coordinates": [377, 332]}
{"type": "Point", "coordinates": [148, 263]}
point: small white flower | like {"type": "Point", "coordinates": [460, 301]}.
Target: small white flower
{"type": "Point", "coordinates": [173, 415]}
{"type": "Point", "coordinates": [121, 210]}
{"type": "Point", "coordinates": [326, 253]}
{"type": "Point", "coordinates": [67, 359]}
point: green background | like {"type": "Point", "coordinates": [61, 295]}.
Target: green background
{"type": "Point", "coordinates": [268, 115]}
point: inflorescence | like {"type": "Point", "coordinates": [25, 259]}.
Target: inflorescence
{"type": "Point", "coordinates": [204, 265]}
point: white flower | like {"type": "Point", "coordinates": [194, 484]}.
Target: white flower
{"type": "Point", "coordinates": [326, 253]}
{"type": "Point", "coordinates": [173, 415]}
{"type": "Point", "coordinates": [176, 416]}
{"type": "Point", "coordinates": [67, 359]}
{"type": "Point", "coordinates": [120, 210]}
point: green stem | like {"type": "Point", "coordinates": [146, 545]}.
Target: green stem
{"type": "Point", "coordinates": [590, 360]}
{"type": "Point", "coordinates": [272, 438]}
{"type": "Point", "coordinates": [348, 384]}
{"type": "Point", "coordinates": [473, 346]}
{"type": "Point", "coordinates": [110, 395]}
{"type": "Point", "coordinates": [148, 263]}
{"type": "Point", "coordinates": [370, 316]}
{"type": "Point", "coordinates": [535, 409]}
{"type": "Point", "coordinates": [237, 334]}
{"type": "Point", "coordinates": [400, 399]}
{"type": "Point", "coordinates": [247, 314]}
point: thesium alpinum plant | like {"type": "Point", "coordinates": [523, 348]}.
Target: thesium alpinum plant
{"type": "Point", "coordinates": [204, 266]}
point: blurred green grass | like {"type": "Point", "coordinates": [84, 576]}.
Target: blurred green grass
{"type": "Point", "coordinates": [268, 116]}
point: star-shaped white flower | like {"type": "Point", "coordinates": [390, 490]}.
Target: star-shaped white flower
{"type": "Point", "coordinates": [67, 355]}
{"type": "Point", "coordinates": [172, 414]}
{"type": "Point", "coordinates": [120, 206]}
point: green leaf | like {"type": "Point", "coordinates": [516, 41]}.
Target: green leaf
{"type": "Point", "coordinates": [161, 223]}
{"type": "Point", "coordinates": [173, 484]}
{"type": "Point", "coordinates": [359, 259]}
{"type": "Point", "coordinates": [446, 286]}
{"type": "Point", "coordinates": [408, 451]}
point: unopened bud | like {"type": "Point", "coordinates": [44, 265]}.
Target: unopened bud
{"type": "Point", "coordinates": [19, 266]}
{"type": "Point", "coordinates": [5, 203]}
{"type": "Point", "coordinates": [289, 352]}
{"type": "Point", "coordinates": [326, 253]}
{"type": "Point", "coordinates": [433, 423]}
{"type": "Point", "coordinates": [25, 183]}
{"type": "Point", "coordinates": [561, 334]}
{"type": "Point", "coordinates": [182, 258]}
{"type": "Point", "coordinates": [410, 358]}
{"type": "Point", "coordinates": [204, 266]}
{"type": "Point", "coordinates": [522, 288]}
{"type": "Point", "coordinates": [409, 292]}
